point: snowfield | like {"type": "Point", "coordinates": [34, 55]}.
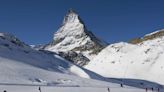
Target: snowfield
{"type": "Point", "coordinates": [25, 69]}
{"type": "Point", "coordinates": [123, 60]}
{"type": "Point", "coordinates": [19, 64]}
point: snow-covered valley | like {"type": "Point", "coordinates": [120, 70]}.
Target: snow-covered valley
{"type": "Point", "coordinates": [77, 61]}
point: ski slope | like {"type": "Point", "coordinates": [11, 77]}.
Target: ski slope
{"type": "Point", "coordinates": [24, 69]}
{"type": "Point", "coordinates": [19, 64]}
{"type": "Point", "coordinates": [131, 61]}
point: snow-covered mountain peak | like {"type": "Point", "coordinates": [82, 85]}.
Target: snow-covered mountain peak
{"type": "Point", "coordinates": [71, 17]}
{"type": "Point", "coordinates": [74, 36]}
{"type": "Point", "coordinates": [72, 26]}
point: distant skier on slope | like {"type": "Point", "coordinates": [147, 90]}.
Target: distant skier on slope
{"type": "Point", "coordinates": [108, 89]}
{"type": "Point", "coordinates": [152, 89]}
{"type": "Point", "coordinates": [121, 85]}
{"type": "Point", "coordinates": [146, 89]}
{"type": "Point", "coordinates": [158, 89]}
{"type": "Point", "coordinates": [39, 89]}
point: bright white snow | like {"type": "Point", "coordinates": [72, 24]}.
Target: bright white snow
{"type": "Point", "coordinates": [19, 64]}
{"type": "Point", "coordinates": [123, 60]}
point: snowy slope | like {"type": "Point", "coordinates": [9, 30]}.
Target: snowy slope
{"type": "Point", "coordinates": [74, 36]}
{"type": "Point", "coordinates": [132, 61]}
{"type": "Point", "coordinates": [19, 64]}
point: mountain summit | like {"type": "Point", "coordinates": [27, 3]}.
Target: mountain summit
{"type": "Point", "coordinates": [71, 17]}
{"type": "Point", "coordinates": [74, 38]}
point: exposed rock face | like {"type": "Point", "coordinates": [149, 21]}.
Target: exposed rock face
{"type": "Point", "coordinates": [73, 36]}
{"type": "Point", "coordinates": [150, 36]}
{"type": "Point", "coordinates": [74, 57]}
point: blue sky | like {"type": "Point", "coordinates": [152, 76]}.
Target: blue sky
{"type": "Point", "coordinates": [35, 21]}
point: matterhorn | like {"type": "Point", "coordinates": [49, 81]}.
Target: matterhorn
{"type": "Point", "coordinates": [74, 42]}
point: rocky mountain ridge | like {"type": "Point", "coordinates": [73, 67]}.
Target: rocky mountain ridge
{"type": "Point", "coordinates": [151, 36]}
{"type": "Point", "coordinates": [73, 38]}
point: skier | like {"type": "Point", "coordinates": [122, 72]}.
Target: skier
{"type": "Point", "coordinates": [152, 89]}
{"type": "Point", "coordinates": [40, 89]}
{"type": "Point", "coordinates": [121, 85]}
{"type": "Point", "coordinates": [158, 89]}
{"type": "Point", "coordinates": [108, 89]}
{"type": "Point", "coordinates": [146, 89]}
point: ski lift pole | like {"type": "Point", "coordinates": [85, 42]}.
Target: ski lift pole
{"type": "Point", "coordinates": [124, 75]}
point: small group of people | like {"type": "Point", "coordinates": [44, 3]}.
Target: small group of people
{"type": "Point", "coordinates": [146, 89]}
{"type": "Point", "coordinates": [158, 90]}
{"type": "Point", "coordinates": [109, 88]}
{"type": "Point", "coordinates": [38, 89]}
